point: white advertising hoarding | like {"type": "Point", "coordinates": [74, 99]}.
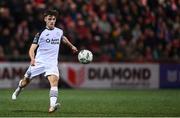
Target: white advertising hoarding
{"type": "Point", "coordinates": [111, 75]}
{"type": "Point", "coordinates": [96, 75]}
{"type": "Point", "coordinates": [11, 73]}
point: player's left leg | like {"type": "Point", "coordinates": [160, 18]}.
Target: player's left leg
{"type": "Point", "coordinates": [53, 80]}
{"type": "Point", "coordinates": [22, 83]}
{"type": "Point", "coordinates": [31, 72]}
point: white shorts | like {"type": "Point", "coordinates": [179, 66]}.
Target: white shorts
{"type": "Point", "coordinates": [39, 68]}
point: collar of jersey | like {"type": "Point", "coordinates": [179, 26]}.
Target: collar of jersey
{"type": "Point", "coordinates": [48, 28]}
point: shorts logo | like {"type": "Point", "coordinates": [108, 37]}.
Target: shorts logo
{"type": "Point", "coordinates": [28, 73]}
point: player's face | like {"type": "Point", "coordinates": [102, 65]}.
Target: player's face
{"type": "Point", "coordinates": [50, 21]}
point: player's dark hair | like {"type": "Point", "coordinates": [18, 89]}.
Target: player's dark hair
{"type": "Point", "coordinates": [51, 12]}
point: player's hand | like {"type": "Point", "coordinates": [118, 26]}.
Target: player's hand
{"type": "Point", "coordinates": [32, 63]}
{"type": "Point", "coordinates": [74, 49]}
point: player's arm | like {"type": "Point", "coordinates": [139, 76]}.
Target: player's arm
{"type": "Point", "coordinates": [32, 53]}
{"type": "Point", "coordinates": [33, 48]}
{"type": "Point", "coordinates": [69, 44]}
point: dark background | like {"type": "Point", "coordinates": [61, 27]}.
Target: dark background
{"type": "Point", "coordinates": [114, 30]}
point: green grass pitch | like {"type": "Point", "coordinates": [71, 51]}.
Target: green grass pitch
{"type": "Point", "coordinates": [99, 103]}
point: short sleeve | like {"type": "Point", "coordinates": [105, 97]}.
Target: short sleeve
{"type": "Point", "coordinates": [36, 38]}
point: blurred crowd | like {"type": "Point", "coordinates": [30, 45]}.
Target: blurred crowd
{"type": "Point", "coordinates": [114, 30]}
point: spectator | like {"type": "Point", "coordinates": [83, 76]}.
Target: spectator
{"type": "Point", "coordinates": [115, 30]}
{"type": "Point", "coordinates": [2, 55]}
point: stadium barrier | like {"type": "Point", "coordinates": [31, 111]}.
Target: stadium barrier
{"type": "Point", "coordinates": [11, 73]}
{"type": "Point", "coordinates": [170, 76]}
{"type": "Point", "coordinates": [100, 75]}
{"type": "Point", "coordinates": [111, 75]}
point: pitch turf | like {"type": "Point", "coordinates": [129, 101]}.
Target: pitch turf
{"type": "Point", "coordinates": [93, 103]}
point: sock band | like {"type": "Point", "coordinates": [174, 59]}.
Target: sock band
{"type": "Point", "coordinates": [53, 93]}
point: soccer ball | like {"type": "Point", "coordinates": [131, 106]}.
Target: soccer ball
{"type": "Point", "coordinates": [85, 56]}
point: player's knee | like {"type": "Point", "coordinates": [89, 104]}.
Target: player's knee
{"type": "Point", "coordinates": [54, 82]}
{"type": "Point", "coordinates": [24, 82]}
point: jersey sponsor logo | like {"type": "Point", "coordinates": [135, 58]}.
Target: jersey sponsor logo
{"type": "Point", "coordinates": [52, 41]}
{"type": "Point", "coordinates": [48, 40]}
{"type": "Point", "coordinates": [55, 41]}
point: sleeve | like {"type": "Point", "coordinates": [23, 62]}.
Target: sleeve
{"type": "Point", "coordinates": [36, 38]}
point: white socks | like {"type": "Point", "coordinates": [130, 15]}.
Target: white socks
{"type": "Point", "coordinates": [53, 96]}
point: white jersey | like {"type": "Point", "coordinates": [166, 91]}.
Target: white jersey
{"type": "Point", "coordinates": [48, 46]}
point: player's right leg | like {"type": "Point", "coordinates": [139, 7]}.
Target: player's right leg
{"type": "Point", "coordinates": [53, 80]}
{"type": "Point", "coordinates": [22, 83]}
